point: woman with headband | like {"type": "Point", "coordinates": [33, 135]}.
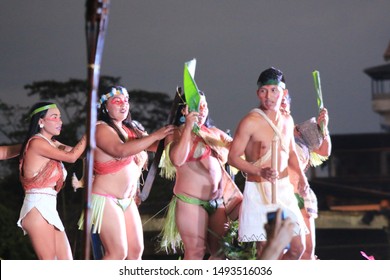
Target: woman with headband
{"type": "Point", "coordinates": [119, 160]}
{"type": "Point", "coordinates": [42, 175]}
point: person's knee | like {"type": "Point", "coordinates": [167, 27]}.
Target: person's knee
{"type": "Point", "coordinates": [118, 253]}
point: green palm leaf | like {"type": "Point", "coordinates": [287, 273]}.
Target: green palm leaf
{"type": "Point", "coordinates": [191, 91]}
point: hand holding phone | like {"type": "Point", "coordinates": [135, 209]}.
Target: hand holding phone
{"type": "Point", "coordinates": [271, 216]}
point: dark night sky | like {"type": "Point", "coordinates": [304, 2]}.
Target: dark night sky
{"type": "Point", "coordinates": [147, 43]}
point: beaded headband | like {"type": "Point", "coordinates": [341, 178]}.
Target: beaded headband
{"type": "Point", "coordinates": [43, 108]}
{"type": "Point", "coordinates": [114, 91]}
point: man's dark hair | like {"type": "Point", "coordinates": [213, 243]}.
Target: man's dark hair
{"type": "Point", "coordinates": [270, 76]}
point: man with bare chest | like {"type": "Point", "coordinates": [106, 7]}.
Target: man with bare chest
{"type": "Point", "coordinates": [253, 138]}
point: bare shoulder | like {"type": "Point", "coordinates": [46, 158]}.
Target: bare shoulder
{"type": "Point", "coordinates": [106, 136]}
{"type": "Point", "coordinates": [38, 148]}
{"type": "Point", "coordinates": [101, 125]}
{"type": "Point", "coordinates": [248, 127]}
{"type": "Point", "coordinates": [103, 128]}
{"type": "Point", "coordinates": [250, 120]}
{"type": "Point", "coordinates": [37, 142]}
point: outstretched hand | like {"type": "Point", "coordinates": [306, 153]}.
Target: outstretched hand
{"type": "Point", "coordinates": [164, 132]}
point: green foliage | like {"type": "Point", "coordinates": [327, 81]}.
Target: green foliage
{"type": "Point", "coordinates": [14, 245]}
{"type": "Point", "coordinates": [235, 250]}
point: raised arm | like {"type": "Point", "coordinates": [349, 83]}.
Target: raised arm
{"type": "Point", "coordinates": [43, 148]}
{"type": "Point", "coordinates": [181, 141]}
{"type": "Point", "coordinates": [326, 147]}
{"type": "Point", "coordinates": [108, 141]}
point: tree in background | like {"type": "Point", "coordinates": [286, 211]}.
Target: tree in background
{"type": "Point", "coordinates": [150, 109]}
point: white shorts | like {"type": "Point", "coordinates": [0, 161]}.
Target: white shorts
{"type": "Point", "coordinates": [45, 201]}
{"type": "Point", "coordinates": [256, 204]}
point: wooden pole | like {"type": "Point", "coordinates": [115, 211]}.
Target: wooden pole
{"type": "Point", "coordinates": [96, 24]}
